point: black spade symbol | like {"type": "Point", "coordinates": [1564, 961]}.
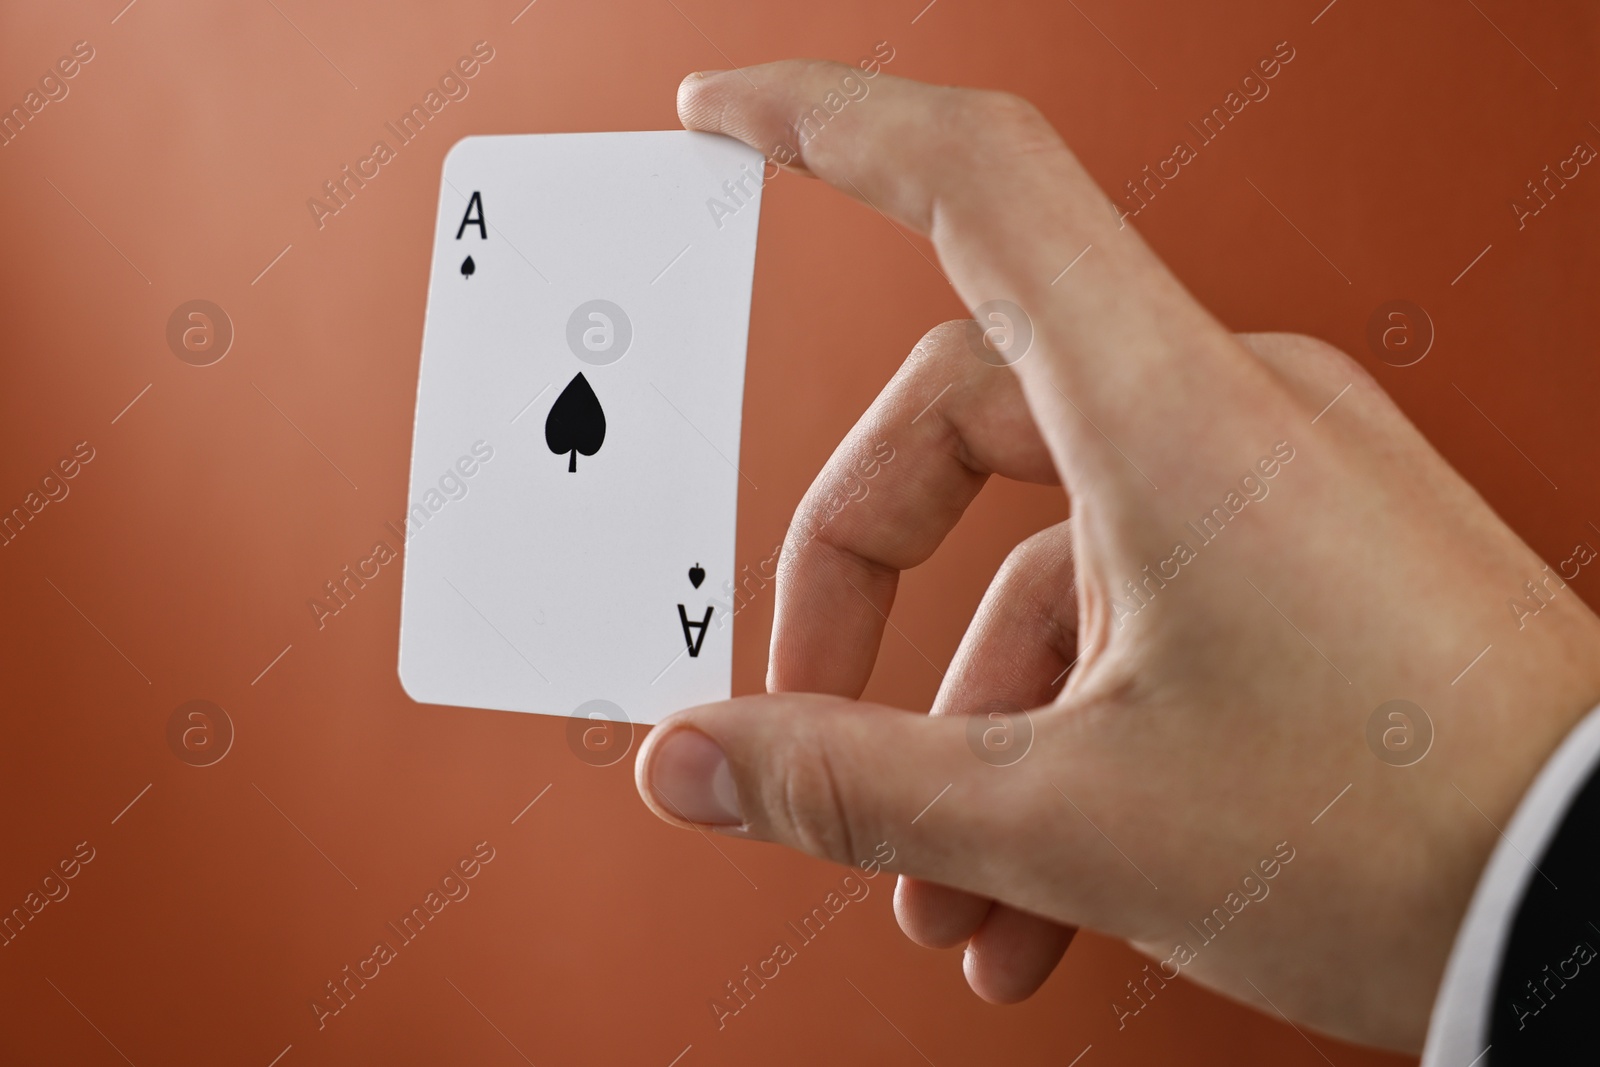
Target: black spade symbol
{"type": "Point", "coordinates": [468, 268]}
{"type": "Point", "coordinates": [576, 423]}
{"type": "Point", "coordinates": [696, 575]}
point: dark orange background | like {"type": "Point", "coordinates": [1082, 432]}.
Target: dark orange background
{"type": "Point", "coordinates": [179, 166]}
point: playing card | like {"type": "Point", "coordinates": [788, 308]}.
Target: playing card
{"type": "Point", "coordinates": [569, 545]}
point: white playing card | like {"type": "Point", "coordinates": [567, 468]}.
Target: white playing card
{"type": "Point", "coordinates": [553, 560]}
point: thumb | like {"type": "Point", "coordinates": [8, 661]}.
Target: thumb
{"type": "Point", "coordinates": [828, 776]}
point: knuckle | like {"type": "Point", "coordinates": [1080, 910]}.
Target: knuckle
{"type": "Point", "coordinates": [825, 71]}
{"type": "Point", "coordinates": [1337, 359]}
{"type": "Point", "coordinates": [1311, 366]}
{"type": "Point", "coordinates": [1041, 556]}
{"type": "Point", "coordinates": [993, 118]}
{"type": "Point", "coordinates": [943, 342]}
{"type": "Point", "coordinates": [811, 806]}
{"type": "Point", "coordinates": [1299, 351]}
{"type": "Point", "coordinates": [942, 362]}
{"type": "Point", "coordinates": [1317, 351]}
{"type": "Point", "coordinates": [1038, 581]}
{"type": "Point", "coordinates": [943, 355]}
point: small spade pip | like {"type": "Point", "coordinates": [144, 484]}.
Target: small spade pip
{"type": "Point", "coordinates": [468, 268]}
{"type": "Point", "coordinates": [576, 422]}
{"type": "Point", "coordinates": [697, 575]}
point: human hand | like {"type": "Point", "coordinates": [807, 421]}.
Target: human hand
{"type": "Point", "coordinates": [1218, 699]}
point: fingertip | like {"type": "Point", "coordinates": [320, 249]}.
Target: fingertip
{"type": "Point", "coordinates": [682, 775]}
{"type": "Point", "coordinates": [1013, 954]}
{"type": "Point", "coordinates": [731, 103]}
{"type": "Point", "coordinates": [936, 916]}
{"type": "Point", "coordinates": [821, 774]}
{"type": "Point", "coordinates": [694, 110]}
{"type": "Point", "coordinates": [992, 984]}
{"type": "Point", "coordinates": [641, 774]}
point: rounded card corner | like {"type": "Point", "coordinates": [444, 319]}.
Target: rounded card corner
{"type": "Point", "coordinates": [460, 143]}
{"type": "Point", "coordinates": [408, 686]}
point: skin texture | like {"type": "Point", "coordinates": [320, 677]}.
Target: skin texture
{"type": "Point", "coordinates": [1191, 738]}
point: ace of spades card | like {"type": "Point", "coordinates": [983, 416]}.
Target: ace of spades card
{"type": "Point", "coordinates": [574, 474]}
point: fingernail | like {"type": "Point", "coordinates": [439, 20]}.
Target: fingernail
{"type": "Point", "coordinates": [691, 778]}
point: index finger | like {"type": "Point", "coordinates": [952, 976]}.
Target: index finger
{"type": "Point", "coordinates": [1124, 352]}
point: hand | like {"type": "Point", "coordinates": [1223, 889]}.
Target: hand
{"type": "Point", "coordinates": [1262, 551]}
